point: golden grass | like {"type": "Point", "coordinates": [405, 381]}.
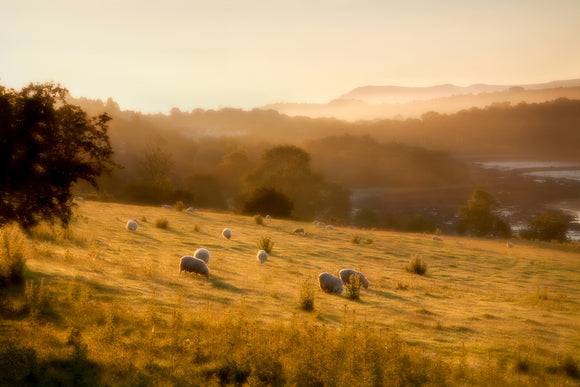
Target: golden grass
{"type": "Point", "coordinates": [479, 299]}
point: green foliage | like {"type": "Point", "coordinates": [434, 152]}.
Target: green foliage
{"type": "Point", "coordinates": [353, 288]}
{"type": "Point", "coordinates": [12, 257]}
{"type": "Point", "coordinates": [548, 226]}
{"type": "Point", "coordinates": [266, 244]}
{"type": "Point", "coordinates": [46, 145]}
{"type": "Point", "coordinates": [366, 218]}
{"type": "Point", "coordinates": [207, 192]}
{"type": "Point", "coordinates": [306, 297]}
{"type": "Point", "coordinates": [268, 201]}
{"type": "Point", "coordinates": [162, 223]}
{"type": "Point", "coordinates": [477, 217]}
{"type": "Point", "coordinates": [416, 265]}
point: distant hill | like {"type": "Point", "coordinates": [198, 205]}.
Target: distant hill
{"type": "Point", "coordinates": [361, 103]}
{"type": "Point", "coordinates": [401, 94]}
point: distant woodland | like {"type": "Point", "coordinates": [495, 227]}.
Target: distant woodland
{"type": "Point", "coordinates": [203, 157]}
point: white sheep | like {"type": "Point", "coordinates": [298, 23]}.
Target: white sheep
{"type": "Point", "coordinates": [262, 256]}
{"type": "Point", "coordinates": [510, 245]}
{"type": "Point", "coordinates": [202, 254]}
{"type": "Point", "coordinates": [193, 265]}
{"type": "Point", "coordinates": [436, 238]}
{"type": "Point", "coordinates": [167, 206]}
{"type": "Point", "coordinates": [346, 274]}
{"type": "Point", "coordinates": [131, 225]}
{"type": "Point", "coordinates": [299, 230]}
{"type": "Point", "coordinates": [227, 233]}
{"type": "Point", "coordinates": [190, 210]}
{"type": "Point", "coordinates": [329, 227]}
{"type": "Point", "coordinates": [330, 283]}
{"type": "Point", "coordinates": [268, 217]}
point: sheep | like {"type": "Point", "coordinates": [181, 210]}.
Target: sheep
{"type": "Point", "coordinates": [268, 217]}
{"type": "Point", "coordinates": [330, 283]}
{"type": "Point", "coordinates": [299, 230]}
{"type": "Point", "coordinates": [346, 274]}
{"type": "Point", "coordinates": [227, 233]}
{"type": "Point", "coordinates": [131, 225]}
{"type": "Point", "coordinates": [79, 199]}
{"type": "Point", "coordinates": [510, 245]}
{"type": "Point", "coordinates": [202, 254]}
{"type": "Point", "coordinates": [167, 207]}
{"type": "Point", "coordinates": [190, 210]}
{"type": "Point", "coordinates": [436, 238]}
{"type": "Point", "coordinates": [193, 265]}
{"type": "Point", "coordinates": [330, 227]}
{"type": "Point", "coordinates": [262, 256]}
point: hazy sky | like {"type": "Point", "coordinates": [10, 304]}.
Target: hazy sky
{"type": "Point", "coordinates": [154, 55]}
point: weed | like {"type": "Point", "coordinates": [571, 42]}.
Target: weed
{"type": "Point", "coordinates": [196, 228]}
{"type": "Point", "coordinates": [266, 244]}
{"type": "Point", "coordinates": [259, 220]}
{"type": "Point", "coordinates": [402, 285]}
{"type": "Point", "coordinates": [355, 240]}
{"type": "Point", "coordinates": [144, 219]}
{"type": "Point", "coordinates": [179, 206]}
{"type": "Point", "coordinates": [416, 266]}
{"type": "Point", "coordinates": [162, 223]}
{"type": "Point", "coordinates": [306, 300]}
{"type": "Point", "coordinates": [353, 288]}
{"type": "Point", "coordinates": [369, 241]}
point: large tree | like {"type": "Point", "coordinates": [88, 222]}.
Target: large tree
{"type": "Point", "coordinates": [477, 217]}
{"type": "Point", "coordinates": [46, 145]}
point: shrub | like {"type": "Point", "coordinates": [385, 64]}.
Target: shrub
{"type": "Point", "coordinates": [162, 223]}
{"type": "Point", "coordinates": [548, 226]}
{"type": "Point", "coordinates": [268, 201]}
{"type": "Point", "coordinates": [259, 220]}
{"type": "Point", "coordinates": [266, 244]}
{"type": "Point", "coordinates": [366, 218]}
{"type": "Point", "coordinates": [179, 206]}
{"type": "Point", "coordinates": [353, 288]}
{"type": "Point", "coordinates": [355, 240]}
{"type": "Point", "coordinates": [306, 300]}
{"type": "Point", "coordinates": [416, 266]}
{"type": "Point", "coordinates": [12, 260]}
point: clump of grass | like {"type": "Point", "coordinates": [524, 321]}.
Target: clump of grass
{"type": "Point", "coordinates": [353, 288]}
{"type": "Point", "coordinates": [179, 206]}
{"type": "Point", "coordinates": [196, 228]}
{"type": "Point", "coordinates": [402, 285]}
{"type": "Point", "coordinates": [12, 258]}
{"type": "Point", "coordinates": [162, 223]}
{"type": "Point", "coordinates": [144, 219]}
{"type": "Point", "coordinates": [369, 241]}
{"type": "Point", "coordinates": [416, 266]}
{"type": "Point", "coordinates": [266, 244]}
{"type": "Point", "coordinates": [306, 299]}
{"type": "Point", "coordinates": [355, 240]}
{"type": "Point", "coordinates": [259, 220]}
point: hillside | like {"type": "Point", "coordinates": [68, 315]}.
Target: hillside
{"type": "Point", "coordinates": [482, 311]}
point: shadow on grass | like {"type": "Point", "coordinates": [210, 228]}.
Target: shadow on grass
{"type": "Point", "coordinates": [384, 294]}
{"type": "Point", "coordinates": [218, 283]}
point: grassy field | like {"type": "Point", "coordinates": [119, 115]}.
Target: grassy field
{"type": "Point", "coordinates": [105, 306]}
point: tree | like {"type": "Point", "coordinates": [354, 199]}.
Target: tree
{"type": "Point", "coordinates": [477, 217]}
{"type": "Point", "coordinates": [46, 145]}
{"type": "Point", "coordinates": [267, 201]}
{"type": "Point", "coordinates": [548, 226]}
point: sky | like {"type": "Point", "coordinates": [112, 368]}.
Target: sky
{"type": "Point", "coordinates": [151, 56]}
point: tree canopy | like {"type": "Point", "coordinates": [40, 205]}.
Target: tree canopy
{"type": "Point", "coordinates": [548, 226]}
{"type": "Point", "coordinates": [46, 145]}
{"type": "Point", "coordinates": [477, 217]}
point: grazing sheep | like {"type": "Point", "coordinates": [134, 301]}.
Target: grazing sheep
{"type": "Point", "coordinates": [460, 243]}
{"type": "Point", "coordinates": [268, 217]}
{"type": "Point", "coordinates": [510, 245]}
{"type": "Point", "coordinates": [299, 230]}
{"type": "Point", "coordinates": [167, 207]}
{"type": "Point", "coordinates": [227, 233]}
{"type": "Point", "coordinates": [346, 274]}
{"type": "Point", "coordinates": [330, 283]}
{"type": "Point", "coordinates": [131, 225]}
{"type": "Point", "coordinates": [436, 238]}
{"type": "Point", "coordinates": [330, 227]}
{"type": "Point", "coordinates": [79, 199]}
{"type": "Point", "coordinates": [202, 254]}
{"type": "Point", "coordinates": [193, 265]}
{"type": "Point", "coordinates": [262, 256]}
{"type": "Point", "coordinates": [319, 223]}
{"type": "Point", "coordinates": [190, 210]}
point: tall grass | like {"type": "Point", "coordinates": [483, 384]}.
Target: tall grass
{"type": "Point", "coordinates": [266, 244]}
{"type": "Point", "coordinates": [416, 265]}
{"type": "Point", "coordinates": [12, 257]}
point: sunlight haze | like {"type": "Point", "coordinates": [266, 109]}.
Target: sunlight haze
{"type": "Point", "coordinates": [151, 56]}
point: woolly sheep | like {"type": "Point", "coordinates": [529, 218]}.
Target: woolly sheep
{"type": "Point", "coordinates": [131, 225]}
{"type": "Point", "coordinates": [346, 274]}
{"type": "Point", "coordinates": [190, 210]}
{"type": "Point", "coordinates": [298, 230]}
{"type": "Point", "coordinates": [436, 238]}
{"type": "Point", "coordinates": [227, 233]}
{"type": "Point", "coordinates": [202, 254]}
{"type": "Point", "coordinates": [193, 265]}
{"type": "Point", "coordinates": [167, 207]}
{"type": "Point", "coordinates": [330, 227]}
{"type": "Point", "coordinates": [262, 256]}
{"type": "Point", "coordinates": [510, 245]}
{"type": "Point", "coordinates": [268, 217]}
{"type": "Point", "coordinates": [330, 283]}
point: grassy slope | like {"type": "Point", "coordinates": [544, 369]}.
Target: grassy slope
{"type": "Point", "coordinates": [478, 297]}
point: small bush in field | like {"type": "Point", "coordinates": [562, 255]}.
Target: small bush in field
{"type": "Point", "coordinates": [353, 288]}
{"type": "Point", "coordinates": [259, 220]}
{"type": "Point", "coordinates": [266, 244]}
{"type": "Point", "coordinates": [12, 260]}
{"type": "Point", "coordinates": [196, 228]}
{"type": "Point", "coordinates": [179, 206]}
{"type": "Point", "coordinates": [306, 300]}
{"type": "Point", "coordinates": [162, 223]}
{"type": "Point", "coordinates": [416, 266]}
{"type": "Point", "coordinates": [355, 240]}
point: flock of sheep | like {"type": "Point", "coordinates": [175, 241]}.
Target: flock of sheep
{"type": "Point", "coordinates": [198, 263]}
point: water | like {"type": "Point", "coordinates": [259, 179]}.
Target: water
{"type": "Point", "coordinates": [570, 175]}
{"type": "Point", "coordinates": [514, 165]}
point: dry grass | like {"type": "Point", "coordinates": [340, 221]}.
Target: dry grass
{"type": "Point", "coordinates": [123, 291]}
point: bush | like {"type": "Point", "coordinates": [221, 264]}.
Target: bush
{"type": "Point", "coordinates": [268, 201]}
{"type": "Point", "coordinates": [266, 244]}
{"type": "Point", "coordinates": [259, 220]}
{"type": "Point", "coordinates": [162, 223]}
{"type": "Point", "coordinates": [366, 218]}
{"type": "Point", "coordinates": [353, 288]}
{"type": "Point", "coordinates": [416, 266]}
{"type": "Point", "coordinates": [12, 260]}
{"type": "Point", "coordinates": [306, 300]}
{"type": "Point", "coordinates": [355, 240]}
{"type": "Point", "coordinates": [179, 206]}
{"type": "Point", "coordinates": [548, 226]}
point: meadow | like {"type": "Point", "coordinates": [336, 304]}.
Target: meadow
{"type": "Point", "coordinates": [101, 305]}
